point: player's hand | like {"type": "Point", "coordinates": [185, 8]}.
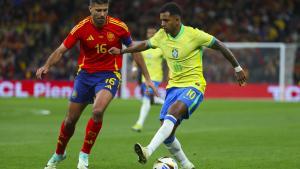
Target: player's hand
{"type": "Point", "coordinates": [241, 78]}
{"type": "Point", "coordinates": [114, 51]}
{"type": "Point", "coordinates": [152, 86]}
{"type": "Point", "coordinates": [42, 70]}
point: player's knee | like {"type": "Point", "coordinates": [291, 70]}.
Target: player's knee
{"type": "Point", "coordinates": [175, 113]}
{"type": "Point", "coordinates": [69, 122]}
{"type": "Point", "coordinates": [177, 110]}
{"type": "Point", "coordinates": [98, 114]}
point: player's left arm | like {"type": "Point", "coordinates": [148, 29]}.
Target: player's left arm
{"type": "Point", "coordinates": [240, 74]}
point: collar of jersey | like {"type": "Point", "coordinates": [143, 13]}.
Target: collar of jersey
{"type": "Point", "coordinates": [179, 34]}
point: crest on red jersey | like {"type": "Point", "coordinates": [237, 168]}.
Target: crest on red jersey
{"type": "Point", "coordinates": [110, 36]}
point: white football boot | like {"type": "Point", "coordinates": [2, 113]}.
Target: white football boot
{"type": "Point", "coordinates": [142, 153]}
{"type": "Point", "coordinates": [54, 160]}
{"type": "Point", "coordinates": [83, 161]}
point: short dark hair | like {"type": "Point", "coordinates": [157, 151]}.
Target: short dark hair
{"type": "Point", "coordinates": [171, 7]}
{"type": "Point", "coordinates": [99, 1]}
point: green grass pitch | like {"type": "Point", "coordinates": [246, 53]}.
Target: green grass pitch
{"type": "Point", "coordinates": [220, 135]}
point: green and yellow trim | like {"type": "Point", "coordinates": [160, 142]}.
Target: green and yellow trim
{"type": "Point", "coordinates": [179, 34]}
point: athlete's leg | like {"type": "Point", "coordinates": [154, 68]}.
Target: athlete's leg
{"type": "Point", "coordinates": [182, 103]}
{"type": "Point", "coordinates": [175, 112]}
{"type": "Point", "coordinates": [68, 125]}
{"type": "Point", "coordinates": [148, 100]}
{"type": "Point", "coordinates": [175, 148]}
{"type": "Point", "coordinates": [66, 132]}
{"type": "Point", "coordinates": [163, 133]}
{"type": "Point", "coordinates": [192, 98]}
{"type": "Point", "coordinates": [144, 111]}
{"type": "Point", "coordinates": [103, 98]}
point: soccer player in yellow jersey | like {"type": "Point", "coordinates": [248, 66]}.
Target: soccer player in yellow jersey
{"type": "Point", "coordinates": [154, 62]}
{"type": "Point", "coordinates": [182, 46]}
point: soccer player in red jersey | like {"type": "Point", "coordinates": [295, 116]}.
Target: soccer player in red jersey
{"type": "Point", "coordinates": [98, 76]}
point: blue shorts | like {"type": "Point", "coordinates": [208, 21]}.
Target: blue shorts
{"type": "Point", "coordinates": [143, 87]}
{"type": "Point", "coordinates": [87, 85]}
{"type": "Point", "coordinates": [190, 96]}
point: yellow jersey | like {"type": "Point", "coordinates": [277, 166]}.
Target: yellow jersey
{"type": "Point", "coordinates": [184, 55]}
{"type": "Point", "coordinates": [153, 60]}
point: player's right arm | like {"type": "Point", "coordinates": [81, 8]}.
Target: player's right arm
{"type": "Point", "coordinates": [136, 47]}
{"type": "Point", "coordinates": [153, 42]}
{"type": "Point", "coordinates": [53, 58]}
{"type": "Point", "coordinates": [68, 43]}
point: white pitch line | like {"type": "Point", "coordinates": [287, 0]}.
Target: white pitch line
{"type": "Point", "coordinates": [42, 112]}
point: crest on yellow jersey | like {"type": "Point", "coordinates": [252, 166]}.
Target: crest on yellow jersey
{"type": "Point", "coordinates": [175, 53]}
{"type": "Point", "coordinates": [110, 36]}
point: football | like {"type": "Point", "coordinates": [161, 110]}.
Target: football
{"type": "Point", "coordinates": [165, 163]}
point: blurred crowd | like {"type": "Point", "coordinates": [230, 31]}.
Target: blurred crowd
{"type": "Point", "coordinates": [30, 30]}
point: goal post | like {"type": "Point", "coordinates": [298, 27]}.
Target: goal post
{"type": "Point", "coordinates": [282, 57]}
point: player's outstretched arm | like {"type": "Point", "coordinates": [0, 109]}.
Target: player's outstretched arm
{"type": "Point", "coordinates": [240, 74]}
{"type": "Point", "coordinates": [53, 58]}
{"type": "Point", "coordinates": [136, 47]}
{"type": "Point", "coordinates": [139, 60]}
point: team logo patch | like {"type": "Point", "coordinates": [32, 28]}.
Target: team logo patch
{"type": "Point", "coordinates": [90, 38]}
{"type": "Point", "coordinates": [110, 36]}
{"type": "Point", "coordinates": [175, 53]}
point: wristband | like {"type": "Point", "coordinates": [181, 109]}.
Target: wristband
{"type": "Point", "coordinates": [238, 69]}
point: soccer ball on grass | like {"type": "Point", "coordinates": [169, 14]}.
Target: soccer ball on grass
{"type": "Point", "coordinates": [165, 163]}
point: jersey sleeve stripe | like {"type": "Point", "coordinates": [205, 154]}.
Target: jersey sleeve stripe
{"type": "Point", "coordinates": [149, 44]}
{"type": "Point", "coordinates": [112, 20]}
{"type": "Point", "coordinates": [76, 28]}
{"type": "Point", "coordinates": [212, 42]}
{"type": "Point", "coordinates": [79, 25]}
{"type": "Point", "coordinates": [121, 24]}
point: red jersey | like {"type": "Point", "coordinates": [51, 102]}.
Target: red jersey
{"type": "Point", "coordinates": [95, 43]}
